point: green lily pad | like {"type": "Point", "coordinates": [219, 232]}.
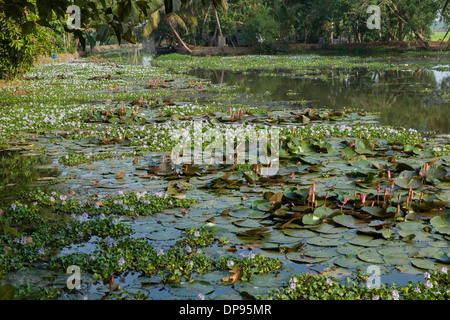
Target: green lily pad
{"type": "Point", "coordinates": [299, 257]}
{"type": "Point", "coordinates": [328, 229]}
{"type": "Point", "coordinates": [262, 205]}
{"type": "Point", "coordinates": [441, 223]}
{"type": "Point", "coordinates": [323, 212]}
{"type": "Point", "coordinates": [424, 264]}
{"type": "Point", "coordinates": [299, 233]}
{"type": "Point", "coordinates": [349, 262]}
{"type": "Point", "coordinates": [324, 242]}
{"type": "Point", "coordinates": [442, 257]}
{"type": "Point", "coordinates": [350, 221]}
{"type": "Point", "coordinates": [164, 234]}
{"type": "Point", "coordinates": [395, 260]}
{"type": "Point", "coordinates": [408, 179]}
{"type": "Point", "coordinates": [349, 249]}
{"type": "Point", "coordinates": [370, 255]}
{"type": "Point", "coordinates": [320, 252]}
{"type": "Point", "coordinates": [192, 289]}
{"type": "Point", "coordinates": [366, 241]}
{"type": "Point", "coordinates": [311, 219]}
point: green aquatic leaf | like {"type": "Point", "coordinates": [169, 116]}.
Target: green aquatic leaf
{"type": "Point", "coordinates": [350, 221]}
{"type": "Point", "coordinates": [262, 205]}
{"type": "Point", "coordinates": [441, 223]}
{"type": "Point", "coordinates": [442, 257]}
{"type": "Point", "coordinates": [311, 219]}
{"type": "Point", "coordinates": [424, 264]}
{"type": "Point", "coordinates": [301, 258]}
{"type": "Point", "coordinates": [324, 242]}
{"type": "Point", "coordinates": [408, 179]}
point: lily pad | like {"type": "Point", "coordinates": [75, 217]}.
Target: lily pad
{"type": "Point", "coordinates": [441, 223]}
{"type": "Point", "coordinates": [350, 221]}
{"type": "Point", "coordinates": [370, 255]}
{"type": "Point", "coordinates": [164, 234]}
{"type": "Point", "coordinates": [192, 289]}
{"type": "Point", "coordinates": [424, 264]}
{"type": "Point", "coordinates": [408, 179]}
{"type": "Point", "coordinates": [299, 257]}
{"type": "Point", "coordinates": [324, 242]}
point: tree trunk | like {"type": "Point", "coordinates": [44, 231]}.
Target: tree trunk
{"type": "Point", "coordinates": [218, 26]}
{"type": "Point", "coordinates": [417, 33]}
{"type": "Point", "coordinates": [179, 38]}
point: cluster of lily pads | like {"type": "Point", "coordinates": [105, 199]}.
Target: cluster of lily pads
{"type": "Point", "coordinates": [349, 192]}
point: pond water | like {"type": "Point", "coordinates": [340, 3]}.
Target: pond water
{"type": "Point", "coordinates": [412, 99]}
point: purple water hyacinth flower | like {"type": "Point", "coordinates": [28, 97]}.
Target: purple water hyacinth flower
{"type": "Point", "coordinates": [41, 251]}
{"type": "Point", "coordinates": [429, 285]}
{"type": "Point", "coordinates": [426, 275]}
{"type": "Point", "coordinates": [251, 255]}
{"type": "Point", "coordinates": [115, 221]}
{"type": "Point", "coordinates": [329, 282]}
{"type": "Point", "coordinates": [292, 286]}
{"type": "Point", "coordinates": [443, 270]}
{"type": "Point", "coordinates": [160, 252]}
{"type": "Point", "coordinates": [188, 249]}
{"type": "Point", "coordinates": [121, 261]}
{"type": "Point", "coordinates": [196, 233]}
{"type": "Point", "coordinates": [23, 240]}
{"type": "Point", "coordinates": [395, 295]}
{"type": "Point", "coordinates": [13, 206]}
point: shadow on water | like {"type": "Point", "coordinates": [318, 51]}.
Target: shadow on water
{"type": "Point", "coordinates": [18, 172]}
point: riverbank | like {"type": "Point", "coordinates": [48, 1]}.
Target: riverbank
{"type": "Point", "coordinates": [384, 47]}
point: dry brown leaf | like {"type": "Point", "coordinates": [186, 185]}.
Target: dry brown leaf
{"type": "Point", "coordinates": [120, 174]}
{"type": "Point", "coordinates": [184, 210]}
{"type": "Point", "coordinates": [252, 246]}
{"type": "Point", "coordinates": [231, 249]}
{"type": "Point", "coordinates": [234, 275]}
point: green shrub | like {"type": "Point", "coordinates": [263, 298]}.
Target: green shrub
{"type": "Point", "coordinates": [18, 51]}
{"type": "Point", "coordinates": [263, 33]}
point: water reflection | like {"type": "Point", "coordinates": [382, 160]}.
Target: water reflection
{"type": "Point", "coordinates": [413, 99]}
{"type": "Point", "coordinates": [19, 170]}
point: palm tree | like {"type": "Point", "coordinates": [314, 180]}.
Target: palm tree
{"type": "Point", "coordinates": [175, 18]}
{"type": "Point", "coordinates": [223, 4]}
